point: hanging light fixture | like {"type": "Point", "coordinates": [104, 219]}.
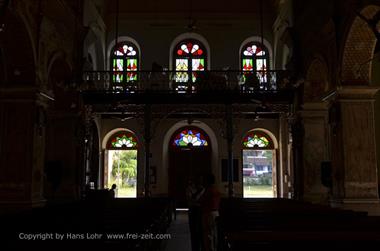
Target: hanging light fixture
{"type": "Point", "coordinates": [3, 9]}
{"type": "Point", "coordinates": [117, 22]}
{"type": "Point", "coordinates": [261, 23]}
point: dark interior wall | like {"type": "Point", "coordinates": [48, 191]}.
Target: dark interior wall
{"type": "Point", "coordinates": [154, 26]}
{"type": "Point", "coordinates": [314, 33]}
{"type": "Point", "coordinates": [63, 136]}
{"type": "Point", "coordinates": [17, 53]}
{"type": "Point", "coordinates": [17, 110]}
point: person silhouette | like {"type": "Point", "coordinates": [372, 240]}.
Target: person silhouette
{"type": "Point", "coordinates": [209, 202]}
{"type": "Point", "coordinates": [112, 191]}
{"type": "Point", "coordinates": [193, 192]}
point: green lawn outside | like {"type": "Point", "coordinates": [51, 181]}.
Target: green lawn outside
{"type": "Point", "coordinates": [249, 191]}
{"type": "Point", "coordinates": [129, 192]}
{"type": "Point", "coordinates": [258, 191]}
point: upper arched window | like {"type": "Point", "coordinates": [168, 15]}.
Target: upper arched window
{"type": "Point", "coordinates": [255, 58]}
{"type": "Point", "coordinates": [190, 137]}
{"type": "Point", "coordinates": [190, 57]}
{"type": "Point", "coordinates": [125, 63]}
{"type": "Point", "coordinates": [122, 140]}
{"type": "Point", "coordinates": [257, 140]}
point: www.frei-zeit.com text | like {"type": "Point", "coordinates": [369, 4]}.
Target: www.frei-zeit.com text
{"type": "Point", "coordinates": [92, 236]}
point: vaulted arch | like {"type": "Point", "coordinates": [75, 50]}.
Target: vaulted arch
{"type": "Point", "coordinates": [359, 49]}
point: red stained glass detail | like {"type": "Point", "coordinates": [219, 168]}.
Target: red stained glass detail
{"type": "Point", "coordinates": [132, 67]}
{"type": "Point", "coordinates": [189, 46]}
{"type": "Point", "coordinates": [180, 52]}
{"type": "Point", "coordinates": [258, 49]}
{"type": "Point", "coordinates": [247, 67]}
{"type": "Point", "coordinates": [200, 52]}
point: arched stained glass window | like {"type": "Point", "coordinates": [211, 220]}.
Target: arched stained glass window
{"type": "Point", "coordinates": [122, 140]}
{"type": "Point", "coordinates": [124, 61]}
{"type": "Point", "coordinates": [190, 57]}
{"type": "Point", "coordinates": [189, 137]}
{"type": "Point", "coordinates": [257, 140]}
{"type": "Point", "coordinates": [255, 58]}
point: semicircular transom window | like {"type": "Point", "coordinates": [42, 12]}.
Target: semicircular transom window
{"type": "Point", "coordinates": [257, 140]}
{"type": "Point", "coordinates": [122, 140]}
{"type": "Point", "coordinates": [190, 137]}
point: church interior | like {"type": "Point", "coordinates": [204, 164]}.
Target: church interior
{"type": "Point", "coordinates": [278, 100]}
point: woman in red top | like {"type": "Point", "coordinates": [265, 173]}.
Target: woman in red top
{"type": "Point", "coordinates": [210, 210]}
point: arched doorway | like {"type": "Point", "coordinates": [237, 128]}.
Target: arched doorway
{"type": "Point", "coordinates": [121, 164]}
{"type": "Point", "coordinates": [259, 165]}
{"type": "Point", "coordinates": [189, 159]}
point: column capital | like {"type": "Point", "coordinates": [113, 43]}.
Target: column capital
{"type": "Point", "coordinates": [353, 93]}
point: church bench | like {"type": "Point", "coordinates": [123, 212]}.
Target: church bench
{"type": "Point", "coordinates": [273, 221]}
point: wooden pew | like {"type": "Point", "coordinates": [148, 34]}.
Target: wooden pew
{"type": "Point", "coordinates": [256, 222]}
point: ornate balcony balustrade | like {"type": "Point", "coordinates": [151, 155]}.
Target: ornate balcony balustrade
{"type": "Point", "coordinates": [185, 82]}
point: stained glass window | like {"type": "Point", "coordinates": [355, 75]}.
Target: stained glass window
{"type": "Point", "coordinates": [190, 137]}
{"type": "Point", "coordinates": [124, 63]}
{"type": "Point", "coordinates": [255, 58]}
{"type": "Point", "coordinates": [189, 58]}
{"type": "Point", "coordinates": [256, 139]}
{"type": "Point", "coordinates": [122, 140]}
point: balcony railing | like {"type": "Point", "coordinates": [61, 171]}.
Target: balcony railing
{"type": "Point", "coordinates": [185, 82]}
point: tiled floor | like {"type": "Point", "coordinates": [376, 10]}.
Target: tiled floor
{"type": "Point", "coordinates": [180, 234]}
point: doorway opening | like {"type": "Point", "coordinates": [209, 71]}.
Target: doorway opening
{"type": "Point", "coordinates": [189, 161]}
{"type": "Point", "coordinates": [121, 164]}
{"type": "Point", "coordinates": [259, 166]}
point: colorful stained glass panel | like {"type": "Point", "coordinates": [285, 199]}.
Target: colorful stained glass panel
{"type": "Point", "coordinates": [190, 137]}
{"type": "Point", "coordinates": [182, 77]}
{"type": "Point", "coordinates": [198, 64]}
{"type": "Point", "coordinates": [182, 64]}
{"type": "Point", "coordinates": [131, 64]}
{"type": "Point", "coordinates": [256, 141]}
{"type": "Point", "coordinates": [247, 64]}
{"type": "Point", "coordinates": [261, 64]}
{"type": "Point", "coordinates": [118, 70]}
{"type": "Point", "coordinates": [123, 140]}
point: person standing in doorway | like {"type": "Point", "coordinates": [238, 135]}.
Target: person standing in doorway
{"type": "Point", "coordinates": [193, 193]}
{"type": "Point", "coordinates": [112, 191]}
{"type": "Point", "coordinates": [209, 202]}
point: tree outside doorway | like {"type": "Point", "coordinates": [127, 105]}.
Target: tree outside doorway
{"type": "Point", "coordinates": [122, 171]}
{"type": "Point", "coordinates": [259, 170]}
{"type": "Point", "coordinates": [121, 164]}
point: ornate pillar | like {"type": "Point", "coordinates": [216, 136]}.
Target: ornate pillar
{"type": "Point", "coordinates": [284, 183]}
{"type": "Point", "coordinates": [297, 132]}
{"type": "Point", "coordinates": [354, 160]}
{"type": "Point", "coordinates": [22, 148]}
{"type": "Point", "coordinates": [315, 150]}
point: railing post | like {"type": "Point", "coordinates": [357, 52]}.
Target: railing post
{"type": "Point", "coordinates": [147, 138]}
{"type": "Point", "coordinates": [229, 130]}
